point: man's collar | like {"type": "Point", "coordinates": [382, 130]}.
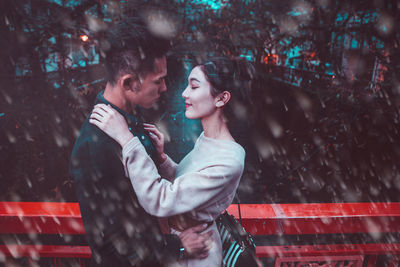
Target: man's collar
{"type": "Point", "coordinates": [129, 117]}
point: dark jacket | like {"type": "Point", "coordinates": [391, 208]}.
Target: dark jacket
{"type": "Point", "coordinates": [118, 230]}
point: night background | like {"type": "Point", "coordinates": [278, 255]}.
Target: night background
{"type": "Point", "coordinates": [323, 124]}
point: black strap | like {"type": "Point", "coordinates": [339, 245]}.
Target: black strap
{"type": "Point", "coordinates": [240, 214]}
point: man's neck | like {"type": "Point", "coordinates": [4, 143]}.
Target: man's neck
{"type": "Point", "coordinates": [113, 95]}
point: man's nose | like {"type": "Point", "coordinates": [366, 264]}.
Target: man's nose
{"type": "Point", "coordinates": [163, 87]}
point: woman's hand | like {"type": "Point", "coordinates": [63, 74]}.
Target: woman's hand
{"type": "Point", "coordinates": [157, 139]}
{"type": "Point", "coordinates": [111, 122]}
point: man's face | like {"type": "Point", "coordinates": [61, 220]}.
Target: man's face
{"type": "Point", "coordinates": [152, 84]}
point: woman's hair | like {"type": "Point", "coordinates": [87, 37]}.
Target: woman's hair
{"type": "Point", "coordinates": [234, 76]}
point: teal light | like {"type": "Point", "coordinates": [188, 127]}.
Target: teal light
{"type": "Point", "coordinates": [59, 2]}
{"type": "Point", "coordinates": [295, 13]}
{"type": "Point", "coordinates": [294, 51]}
{"type": "Point", "coordinates": [213, 4]}
{"type": "Point", "coordinates": [67, 3]}
{"type": "Point", "coordinates": [354, 43]}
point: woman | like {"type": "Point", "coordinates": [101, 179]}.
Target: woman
{"type": "Point", "coordinates": [204, 183]}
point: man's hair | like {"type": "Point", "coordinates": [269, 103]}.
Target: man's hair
{"type": "Point", "coordinates": [130, 48]}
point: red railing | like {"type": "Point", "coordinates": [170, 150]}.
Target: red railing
{"type": "Point", "coordinates": [264, 221]}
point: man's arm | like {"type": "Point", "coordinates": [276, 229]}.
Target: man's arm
{"type": "Point", "coordinates": [115, 224]}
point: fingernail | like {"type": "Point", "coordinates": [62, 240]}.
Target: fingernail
{"type": "Point", "coordinates": [205, 225]}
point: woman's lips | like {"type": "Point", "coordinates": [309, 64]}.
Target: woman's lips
{"type": "Point", "coordinates": [187, 105]}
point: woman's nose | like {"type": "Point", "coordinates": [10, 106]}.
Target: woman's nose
{"type": "Point", "coordinates": [184, 93]}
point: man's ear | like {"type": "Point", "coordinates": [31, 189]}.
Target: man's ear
{"type": "Point", "coordinates": [129, 82]}
{"type": "Point", "coordinates": [222, 99]}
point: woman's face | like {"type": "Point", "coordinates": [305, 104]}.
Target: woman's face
{"type": "Point", "coordinates": [199, 103]}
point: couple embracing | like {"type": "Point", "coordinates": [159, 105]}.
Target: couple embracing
{"type": "Point", "coordinates": [139, 208]}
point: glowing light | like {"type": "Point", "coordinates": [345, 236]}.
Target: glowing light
{"type": "Point", "coordinates": [213, 4]}
{"type": "Point", "coordinates": [271, 58]}
{"type": "Point", "coordinates": [84, 38]}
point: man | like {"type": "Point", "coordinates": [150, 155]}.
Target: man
{"type": "Point", "coordinates": [119, 231]}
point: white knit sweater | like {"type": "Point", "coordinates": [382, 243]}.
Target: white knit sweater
{"type": "Point", "coordinates": [204, 182]}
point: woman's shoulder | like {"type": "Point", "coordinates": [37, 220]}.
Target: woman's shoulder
{"type": "Point", "coordinates": [221, 152]}
{"type": "Point", "coordinates": [221, 145]}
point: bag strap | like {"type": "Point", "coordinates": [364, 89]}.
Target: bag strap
{"type": "Point", "coordinates": [238, 201]}
{"type": "Point", "coordinates": [240, 214]}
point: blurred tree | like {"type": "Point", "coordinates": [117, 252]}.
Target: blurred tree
{"type": "Point", "coordinates": [325, 112]}
{"type": "Point", "coordinates": [41, 114]}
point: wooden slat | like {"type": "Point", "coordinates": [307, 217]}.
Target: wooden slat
{"type": "Point", "coordinates": [17, 251]}
{"type": "Point", "coordinates": [328, 250]}
{"type": "Point", "coordinates": [58, 209]}
{"type": "Point", "coordinates": [40, 217]}
{"type": "Point", "coordinates": [35, 251]}
{"type": "Point", "coordinates": [258, 219]}
{"type": "Point", "coordinates": [321, 218]}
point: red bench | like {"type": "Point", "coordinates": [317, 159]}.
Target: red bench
{"type": "Point", "coordinates": [324, 219]}
{"type": "Point", "coordinates": [261, 220]}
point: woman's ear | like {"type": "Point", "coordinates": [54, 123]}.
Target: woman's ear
{"type": "Point", "coordinates": [223, 99]}
{"type": "Point", "coordinates": [129, 82]}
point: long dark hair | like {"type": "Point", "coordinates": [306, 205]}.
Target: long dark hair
{"type": "Point", "coordinates": [234, 76]}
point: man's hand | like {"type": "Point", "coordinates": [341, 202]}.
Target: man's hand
{"type": "Point", "coordinates": [196, 244]}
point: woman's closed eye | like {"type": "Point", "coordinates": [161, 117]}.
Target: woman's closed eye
{"type": "Point", "coordinates": [193, 86]}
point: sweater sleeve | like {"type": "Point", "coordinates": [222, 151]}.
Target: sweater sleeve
{"type": "Point", "coordinates": [163, 198]}
{"type": "Point", "coordinates": [167, 169]}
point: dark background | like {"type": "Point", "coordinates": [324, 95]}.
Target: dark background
{"type": "Point", "coordinates": [323, 125]}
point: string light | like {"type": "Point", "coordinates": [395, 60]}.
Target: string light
{"type": "Point", "coordinates": [84, 38]}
